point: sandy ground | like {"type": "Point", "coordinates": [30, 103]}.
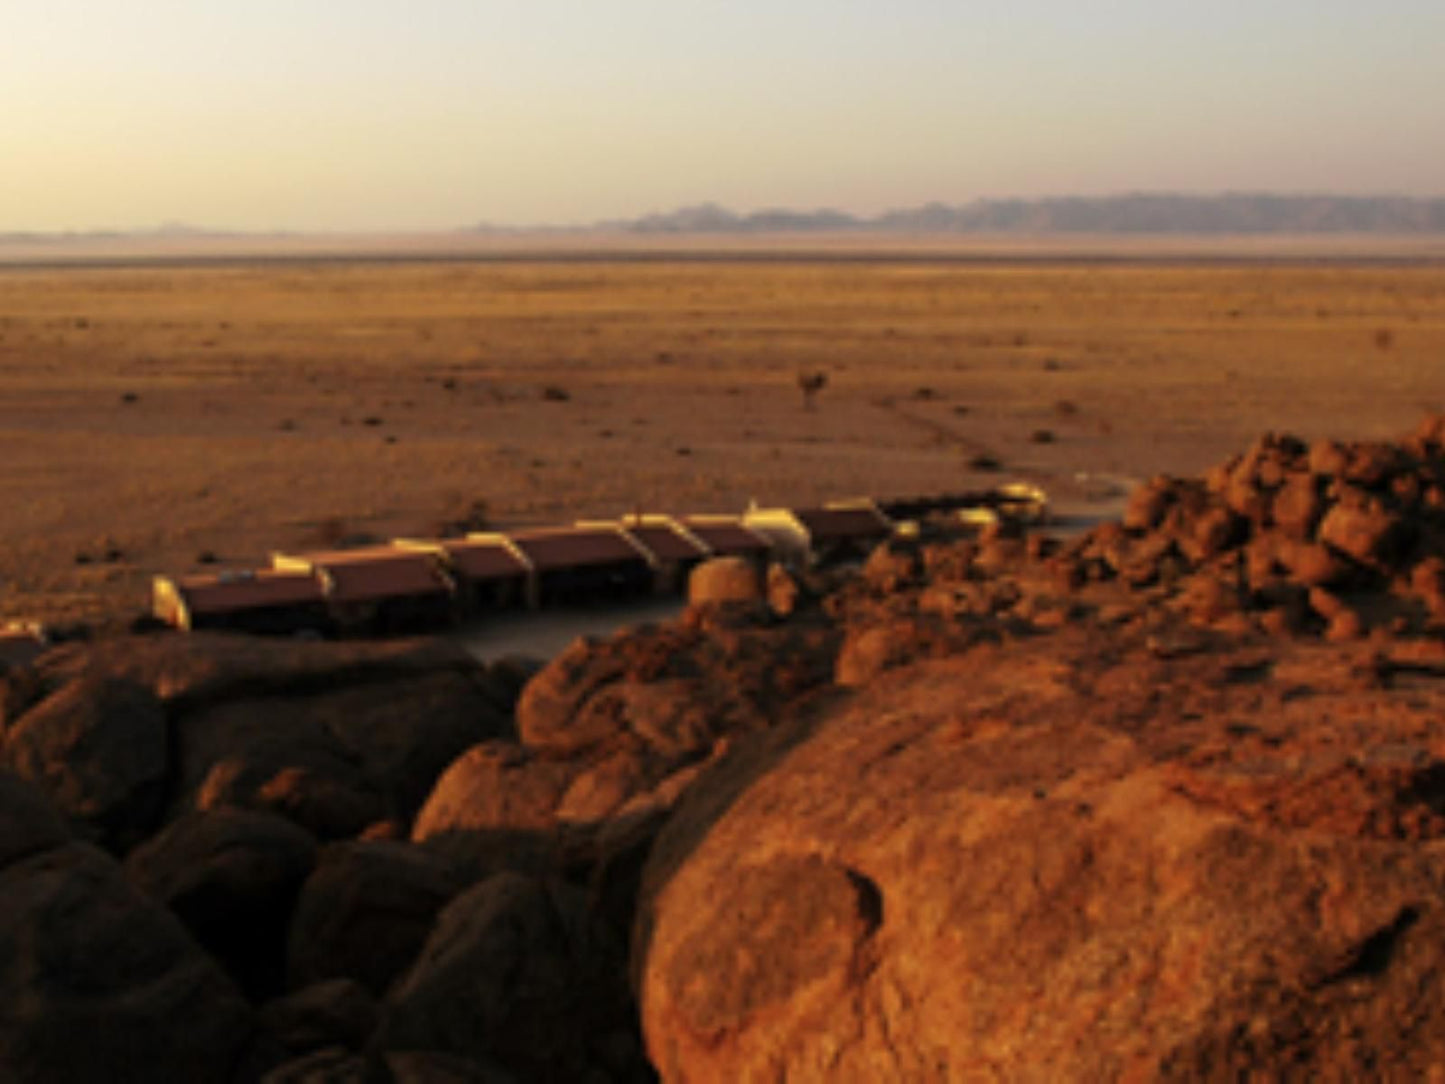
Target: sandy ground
{"type": "Point", "coordinates": [170, 418]}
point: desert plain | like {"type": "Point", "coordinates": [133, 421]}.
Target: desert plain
{"type": "Point", "coordinates": [175, 416]}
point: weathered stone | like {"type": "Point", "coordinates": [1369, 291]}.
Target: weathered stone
{"type": "Point", "coordinates": [330, 1014]}
{"type": "Point", "coordinates": [405, 738]}
{"type": "Point", "coordinates": [28, 822]}
{"type": "Point", "coordinates": [1328, 458]}
{"type": "Point", "coordinates": [891, 566]}
{"type": "Point", "coordinates": [1345, 625]}
{"type": "Point", "coordinates": [232, 877]}
{"type": "Point", "coordinates": [1212, 532]}
{"type": "Point", "coordinates": [949, 562]}
{"type": "Point", "coordinates": [364, 913]}
{"type": "Point", "coordinates": [497, 802]}
{"type": "Point", "coordinates": [1247, 498]}
{"type": "Point", "coordinates": [1365, 531]}
{"type": "Point", "coordinates": [1148, 503]}
{"type": "Point", "coordinates": [999, 553]}
{"type": "Point", "coordinates": [1208, 598]}
{"type": "Point", "coordinates": [550, 704]}
{"type": "Point", "coordinates": [516, 971]}
{"type": "Point", "coordinates": [602, 788]}
{"type": "Point", "coordinates": [869, 650]}
{"type": "Point", "coordinates": [1261, 560]}
{"type": "Point", "coordinates": [675, 688]}
{"type": "Point", "coordinates": [99, 748]}
{"type": "Point", "coordinates": [1429, 435]}
{"type": "Point", "coordinates": [1313, 564]}
{"type": "Point", "coordinates": [98, 983]}
{"type": "Point", "coordinates": [195, 669]}
{"type": "Point", "coordinates": [268, 755]}
{"type": "Point", "coordinates": [1372, 464]}
{"type": "Point", "coordinates": [1427, 582]}
{"type": "Point", "coordinates": [1298, 505]}
{"type": "Point", "coordinates": [1326, 604]}
{"type": "Point", "coordinates": [785, 594]}
{"type": "Point", "coordinates": [1061, 862]}
{"type": "Point", "coordinates": [726, 581]}
{"type": "Point", "coordinates": [340, 760]}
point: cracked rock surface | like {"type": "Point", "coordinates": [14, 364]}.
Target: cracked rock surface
{"type": "Point", "coordinates": [1075, 861]}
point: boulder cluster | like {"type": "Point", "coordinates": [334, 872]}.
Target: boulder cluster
{"type": "Point", "coordinates": [227, 858]}
{"type": "Point", "coordinates": [1334, 538]}
{"type": "Point", "coordinates": [1164, 800]}
{"type": "Point", "coordinates": [1339, 541]}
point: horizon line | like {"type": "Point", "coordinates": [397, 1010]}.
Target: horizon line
{"type": "Point", "coordinates": [179, 229]}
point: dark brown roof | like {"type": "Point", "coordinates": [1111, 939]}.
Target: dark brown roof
{"type": "Point", "coordinates": [483, 560]}
{"type": "Point", "coordinates": [574, 547]}
{"type": "Point", "coordinates": [666, 542]}
{"type": "Point", "coordinates": [378, 572]}
{"type": "Point", "coordinates": [726, 537]}
{"type": "Point", "coordinates": [836, 524]}
{"type": "Point", "coordinates": [229, 592]}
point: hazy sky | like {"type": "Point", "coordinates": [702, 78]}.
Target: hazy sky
{"type": "Point", "coordinates": [402, 114]}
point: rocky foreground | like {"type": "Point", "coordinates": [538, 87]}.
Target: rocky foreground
{"type": "Point", "coordinates": [1165, 800]}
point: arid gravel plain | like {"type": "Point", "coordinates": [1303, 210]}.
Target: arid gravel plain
{"type": "Point", "coordinates": [174, 416]}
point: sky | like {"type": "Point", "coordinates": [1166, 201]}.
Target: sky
{"type": "Point", "coordinates": [436, 114]}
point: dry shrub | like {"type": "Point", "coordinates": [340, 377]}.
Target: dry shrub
{"type": "Point", "coordinates": [810, 384]}
{"type": "Point", "coordinates": [984, 461]}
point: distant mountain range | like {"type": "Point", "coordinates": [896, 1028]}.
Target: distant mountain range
{"type": "Point", "coordinates": [1139, 213]}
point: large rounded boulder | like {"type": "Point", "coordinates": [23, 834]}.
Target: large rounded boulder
{"type": "Point", "coordinates": [673, 689]}
{"type": "Point", "coordinates": [727, 581]}
{"type": "Point", "coordinates": [518, 971]}
{"type": "Point", "coordinates": [1076, 860]}
{"type": "Point", "coordinates": [97, 982]}
{"type": "Point", "coordinates": [364, 913]}
{"type": "Point", "coordinates": [232, 876]}
{"type": "Point", "coordinates": [100, 749]}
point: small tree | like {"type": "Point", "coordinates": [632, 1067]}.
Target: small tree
{"type": "Point", "coordinates": [810, 384]}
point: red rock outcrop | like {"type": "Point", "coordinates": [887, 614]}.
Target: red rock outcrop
{"type": "Point", "coordinates": [1077, 861]}
{"type": "Point", "coordinates": [1163, 800]}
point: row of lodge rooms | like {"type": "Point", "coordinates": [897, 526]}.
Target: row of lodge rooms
{"type": "Point", "coordinates": [411, 585]}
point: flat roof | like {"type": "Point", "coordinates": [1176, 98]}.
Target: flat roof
{"type": "Point", "coordinates": [666, 541]}
{"type": "Point", "coordinates": [726, 535]}
{"type": "Point", "coordinates": [481, 560]}
{"type": "Point", "coordinates": [551, 548]}
{"type": "Point", "coordinates": [830, 524]}
{"type": "Point", "coordinates": [230, 592]}
{"type": "Point", "coordinates": [376, 572]}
